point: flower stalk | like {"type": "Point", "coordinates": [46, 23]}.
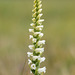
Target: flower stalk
{"type": "Point", "coordinates": [35, 56]}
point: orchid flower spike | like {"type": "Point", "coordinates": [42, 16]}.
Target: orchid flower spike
{"type": "Point", "coordinates": [35, 56]}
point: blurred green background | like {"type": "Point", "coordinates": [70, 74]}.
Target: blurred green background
{"type": "Point", "coordinates": [59, 33]}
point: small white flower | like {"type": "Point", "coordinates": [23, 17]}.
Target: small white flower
{"type": "Point", "coordinates": [33, 19]}
{"type": "Point", "coordinates": [30, 36]}
{"type": "Point", "coordinates": [33, 66]}
{"type": "Point", "coordinates": [34, 40]}
{"type": "Point", "coordinates": [39, 27]}
{"type": "Point", "coordinates": [41, 34]}
{"type": "Point", "coordinates": [32, 24]}
{"type": "Point", "coordinates": [40, 70]}
{"type": "Point", "coordinates": [29, 61]}
{"type": "Point", "coordinates": [40, 21]}
{"type": "Point", "coordinates": [41, 59]}
{"type": "Point", "coordinates": [30, 54]}
{"type": "Point", "coordinates": [36, 33]}
{"type": "Point", "coordinates": [31, 47]}
{"type": "Point", "coordinates": [35, 57]}
{"type": "Point", "coordinates": [40, 15]}
{"type": "Point", "coordinates": [40, 6]}
{"type": "Point", "coordinates": [40, 10]}
{"type": "Point", "coordinates": [31, 30]}
{"type": "Point", "coordinates": [40, 50]}
{"type": "Point", "coordinates": [41, 42]}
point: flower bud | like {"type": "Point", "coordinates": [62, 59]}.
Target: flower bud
{"type": "Point", "coordinates": [30, 54]}
{"type": "Point", "coordinates": [33, 19]}
{"type": "Point", "coordinates": [40, 6]}
{"type": "Point", "coordinates": [34, 10]}
{"type": "Point", "coordinates": [30, 36]}
{"type": "Point", "coordinates": [39, 2]}
{"type": "Point", "coordinates": [29, 61]}
{"type": "Point", "coordinates": [34, 40]}
{"type": "Point", "coordinates": [34, 15]}
{"type": "Point", "coordinates": [32, 24]}
{"type": "Point", "coordinates": [39, 15]}
{"type": "Point", "coordinates": [40, 10]}
{"type": "Point", "coordinates": [31, 30]}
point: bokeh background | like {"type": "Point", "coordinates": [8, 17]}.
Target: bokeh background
{"type": "Point", "coordinates": [59, 33]}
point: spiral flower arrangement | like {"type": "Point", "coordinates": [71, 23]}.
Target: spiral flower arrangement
{"type": "Point", "coordinates": [35, 56]}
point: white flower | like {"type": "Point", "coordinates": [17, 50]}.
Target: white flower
{"type": "Point", "coordinates": [32, 24]}
{"type": "Point", "coordinates": [34, 40]}
{"type": "Point", "coordinates": [41, 42]}
{"type": "Point", "coordinates": [40, 10]}
{"type": "Point", "coordinates": [31, 30]}
{"type": "Point", "coordinates": [35, 57]}
{"type": "Point", "coordinates": [40, 70]}
{"type": "Point", "coordinates": [30, 54]}
{"type": "Point", "coordinates": [40, 21]}
{"type": "Point", "coordinates": [40, 6]}
{"type": "Point", "coordinates": [40, 15]}
{"type": "Point", "coordinates": [41, 34]}
{"type": "Point", "coordinates": [39, 27]}
{"type": "Point", "coordinates": [33, 66]}
{"type": "Point", "coordinates": [29, 61]}
{"type": "Point", "coordinates": [33, 19]}
{"type": "Point", "coordinates": [30, 36]}
{"type": "Point", "coordinates": [41, 59]}
{"type": "Point", "coordinates": [40, 50]}
{"type": "Point", "coordinates": [36, 33]}
{"type": "Point", "coordinates": [31, 47]}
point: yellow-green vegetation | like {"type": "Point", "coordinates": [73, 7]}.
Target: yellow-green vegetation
{"type": "Point", "coordinates": [59, 30]}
